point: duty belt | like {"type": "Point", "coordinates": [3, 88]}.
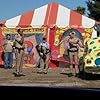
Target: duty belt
{"type": "Point", "coordinates": [19, 49]}
{"type": "Point", "coordinates": [73, 50]}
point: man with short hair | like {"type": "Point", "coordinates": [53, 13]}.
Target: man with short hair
{"type": "Point", "coordinates": [44, 43]}
{"type": "Point", "coordinates": [44, 55]}
{"type": "Point", "coordinates": [8, 52]}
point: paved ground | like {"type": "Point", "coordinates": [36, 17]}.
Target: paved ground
{"type": "Point", "coordinates": [55, 78]}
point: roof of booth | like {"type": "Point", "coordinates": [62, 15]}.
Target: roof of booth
{"type": "Point", "coordinates": [50, 15]}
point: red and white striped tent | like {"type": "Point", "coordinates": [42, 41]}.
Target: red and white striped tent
{"type": "Point", "coordinates": [50, 15]}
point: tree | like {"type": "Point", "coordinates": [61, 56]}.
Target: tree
{"type": "Point", "coordinates": [94, 9]}
{"type": "Point", "coordinates": [80, 10]}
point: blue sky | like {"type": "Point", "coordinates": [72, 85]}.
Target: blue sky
{"type": "Point", "coordinates": [12, 8]}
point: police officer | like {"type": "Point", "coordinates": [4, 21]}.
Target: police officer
{"type": "Point", "coordinates": [73, 48]}
{"type": "Point", "coordinates": [19, 51]}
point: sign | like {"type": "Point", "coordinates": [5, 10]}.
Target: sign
{"type": "Point", "coordinates": [25, 31]}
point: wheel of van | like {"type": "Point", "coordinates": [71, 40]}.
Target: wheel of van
{"type": "Point", "coordinates": [81, 68]}
{"type": "Point", "coordinates": [81, 64]}
{"type": "Point", "coordinates": [83, 74]}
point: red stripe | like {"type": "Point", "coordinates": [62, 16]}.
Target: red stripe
{"type": "Point", "coordinates": [51, 36]}
{"type": "Point", "coordinates": [51, 14]}
{"type": "Point", "coordinates": [47, 15]}
{"type": "Point", "coordinates": [26, 19]}
{"type": "Point", "coordinates": [75, 19]}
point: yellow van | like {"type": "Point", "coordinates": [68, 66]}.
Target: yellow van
{"type": "Point", "coordinates": [90, 63]}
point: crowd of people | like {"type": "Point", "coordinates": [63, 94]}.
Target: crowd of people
{"type": "Point", "coordinates": [17, 46]}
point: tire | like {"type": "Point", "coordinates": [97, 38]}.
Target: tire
{"type": "Point", "coordinates": [81, 65]}
{"type": "Point", "coordinates": [81, 69]}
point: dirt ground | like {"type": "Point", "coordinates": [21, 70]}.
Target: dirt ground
{"type": "Point", "coordinates": [56, 77]}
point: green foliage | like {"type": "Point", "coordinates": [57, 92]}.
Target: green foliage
{"type": "Point", "coordinates": [94, 9]}
{"type": "Point", "coordinates": [80, 10]}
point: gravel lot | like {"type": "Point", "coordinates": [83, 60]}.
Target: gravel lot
{"type": "Point", "coordinates": [55, 78]}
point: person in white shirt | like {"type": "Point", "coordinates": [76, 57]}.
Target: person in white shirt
{"type": "Point", "coordinates": [44, 44]}
{"type": "Point", "coordinates": [44, 56]}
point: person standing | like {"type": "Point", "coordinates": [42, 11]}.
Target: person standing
{"type": "Point", "coordinates": [19, 52]}
{"type": "Point", "coordinates": [8, 52]}
{"type": "Point", "coordinates": [45, 56]}
{"type": "Point", "coordinates": [73, 48]}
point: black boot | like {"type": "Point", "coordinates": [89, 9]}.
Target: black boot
{"type": "Point", "coordinates": [77, 75]}
{"type": "Point", "coordinates": [70, 75]}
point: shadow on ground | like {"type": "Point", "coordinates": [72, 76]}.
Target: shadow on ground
{"type": "Point", "coordinates": [64, 73]}
{"type": "Point", "coordinates": [86, 76]}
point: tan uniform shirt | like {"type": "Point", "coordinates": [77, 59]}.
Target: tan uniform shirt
{"type": "Point", "coordinates": [74, 43]}
{"type": "Point", "coordinates": [18, 40]}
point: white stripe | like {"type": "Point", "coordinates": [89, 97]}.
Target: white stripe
{"type": "Point", "coordinates": [13, 22]}
{"type": "Point", "coordinates": [94, 33]}
{"type": "Point", "coordinates": [39, 16]}
{"type": "Point", "coordinates": [87, 22]}
{"type": "Point", "coordinates": [63, 16]}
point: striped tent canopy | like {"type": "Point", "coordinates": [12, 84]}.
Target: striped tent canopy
{"type": "Point", "coordinates": [51, 14]}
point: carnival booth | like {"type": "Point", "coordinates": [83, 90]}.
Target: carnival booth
{"type": "Point", "coordinates": [55, 22]}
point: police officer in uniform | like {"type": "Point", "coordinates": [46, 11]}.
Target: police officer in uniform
{"type": "Point", "coordinates": [19, 51]}
{"type": "Point", "coordinates": [73, 48]}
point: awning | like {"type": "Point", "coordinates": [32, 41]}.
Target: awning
{"type": "Point", "coordinates": [50, 15]}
